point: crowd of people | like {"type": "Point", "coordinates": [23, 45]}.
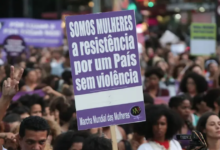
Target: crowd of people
{"type": "Point", "coordinates": [36, 122]}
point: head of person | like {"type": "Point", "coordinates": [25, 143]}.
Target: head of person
{"type": "Point", "coordinates": [161, 123]}
{"type": "Point", "coordinates": [148, 100]}
{"type": "Point", "coordinates": [34, 102]}
{"type": "Point", "coordinates": [38, 72]}
{"type": "Point", "coordinates": [57, 54]}
{"type": "Point", "coordinates": [71, 140]}
{"type": "Point", "coordinates": [69, 113]}
{"type": "Point", "coordinates": [211, 97]}
{"type": "Point", "coordinates": [67, 77]}
{"type": "Point", "coordinates": [30, 75]}
{"type": "Point", "coordinates": [23, 111]}
{"type": "Point", "coordinates": [67, 58]}
{"type": "Point", "coordinates": [211, 66]}
{"type": "Point", "coordinates": [162, 64]}
{"type": "Point", "coordinates": [182, 105]}
{"type": "Point", "coordinates": [209, 126]}
{"type": "Point", "coordinates": [177, 71]}
{"type": "Point", "coordinates": [199, 104]}
{"type": "Point", "coordinates": [97, 143]}
{"type": "Point", "coordinates": [153, 76]}
{"type": "Point", "coordinates": [196, 68]}
{"type": "Point", "coordinates": [13, 120]}
{"type": "Point", "coordinates": [193, 83]}
{"type": "Point", "coordinates": [33, 133]}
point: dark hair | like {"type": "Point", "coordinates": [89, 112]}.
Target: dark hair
{"type": "Point", "coordinates": [67, 55]}
{"type": "Point", "coordinates": [66, 140]}
{"type": "Point", "coordinates": [21, 110]}
{"type": "Point", "coordinates": [67, 77]}
{"type": "Point", "coordinates": [33, 123]}
{"type": "Point", "coordinates": [197, 100]}
{"type": "Point", "coordinates": [12, 117]}
{"type": "Point", "coordinates": [30, 100]}
{"type": "Point", "coordinates": [211, 96]}
{"type": "Point", "coordinates": [200, 82]}
{"type": "Point", "coordinates": [97, 143]}
{"type": "Point", "coordinates": [73, 125]}
{"type": "Point", "coordinates": [175, 70]}
{"type": "Point", "coordinates": [67, 114]}
{"type": "Point", "coordinates": [148, 99]}
{"type": "Point", "coordinates": [202, 122]}
{"type": "Point", "coordinates": [190, 69]}
{"type": "Point", "coordinates": [153, 113]}
{"type": "Point", "coordinates": [155, 71]}
{"type": "Point", "coordinates": [176, 101]}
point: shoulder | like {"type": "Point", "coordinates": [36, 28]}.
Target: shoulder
{"type": "Point", "coordinates": [145, 146]}
{"type": "Point", "coordinates": [175, 145]}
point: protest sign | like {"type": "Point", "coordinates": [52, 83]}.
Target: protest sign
{"type": "Point", "coordinates": [105, 69]}
{"type": "Point", "coordinates": [39, 33]}
{"type": "Point", "coordinates": [203, 39]}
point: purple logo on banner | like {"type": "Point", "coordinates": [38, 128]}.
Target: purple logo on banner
{"type": "Point", "coordinates": [39, 33]}
{"type": "Point", "coordinates": [105, 68]}
{"type": "Point", "coordinates": [14, 45]}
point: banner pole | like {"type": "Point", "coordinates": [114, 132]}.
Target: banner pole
{"type": "Point", "coordinates": [114, 140]}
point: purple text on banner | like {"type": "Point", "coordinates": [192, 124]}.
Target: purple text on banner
{"type": "Point", "coordinates": [19, 94]}
{"type": "Point", "coordinates": [105, 69]}
{"type": "Point", "coordinates": [39, 33]}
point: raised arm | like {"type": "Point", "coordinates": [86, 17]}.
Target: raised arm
{"type": "Point", "coordinates": [9, 89]}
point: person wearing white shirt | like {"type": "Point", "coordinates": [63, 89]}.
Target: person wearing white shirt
{"type": "Point", "coordinates": [159, 129]}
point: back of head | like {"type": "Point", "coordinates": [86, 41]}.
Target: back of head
{"type": "Point", "coordinates": [12, 117]}
{"type": "Point", "coordinates": [177, 101]}
{"type": "Point", "coordinates": [33, 123]}
{"type": "Point", "coordinates": [211, 96]}
{"type": "Point", "coordinates": [97, 143]}
{"type": "Point", "coordinates": [148, 100]}
{"type": "Point", "coordinates": [21, 110]}
{"type": "Point", "coordinates": [66, 140]}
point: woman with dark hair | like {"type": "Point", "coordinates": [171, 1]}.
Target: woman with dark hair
{"type": "Point", "coordinates": [30, 77]}
{"type": "Point", "coordinates": [153, 77]}
{"type": "Point", "coordinates": [209, 126]}
{"type": "Point", "coordinates": [193, 84]}
{"type": "Point", "coordinates": [159, 128]}
{"type": "Point", "coordinates": [182, 106]}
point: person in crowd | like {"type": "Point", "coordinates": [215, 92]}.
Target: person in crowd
{"type": "Point", "coordinates": [34, 102]}
{"type": "Point", "coordinates": [63, 111]}
{"type": "Point", "coordinates": [148, 100]}
{"type": "Point", "coordinates": [33, 134]}
{"type": "Point", "coordinates": [212, 99]}
{"type": "Point", "coordinates": [153, 77]}
{"type": "Point", "coordinates": [59, 68]}
{"type": "Point", "coordinates": [211, 66]}
{"type": "Point", "coordinates": [71, 140]}
{"type": "Point", "coordinates": [199, 105]}
{"type": "Point", "coordinates": [97, 143]}
{"type": "Point", "coordinates": [159, 128]}
{"type": "Point", "coordinates": [23, 111]}
{"type": "Point", "coordinates": [55, 131]}
{"type": "Point", "coordinates": [195, 68]}
{"type": "Point", "coordinates": [209, 126]}
{"type": "Point", "coordinates": [30, 77]}
{"type": "Point", "coordinates": [193, 84]}
{"type": "Point", "coordinates": [182, 106]}
{"type": "Point", "coordinates": [13, 120]}
{"type": "Point", "coordinates": [178, 72]}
